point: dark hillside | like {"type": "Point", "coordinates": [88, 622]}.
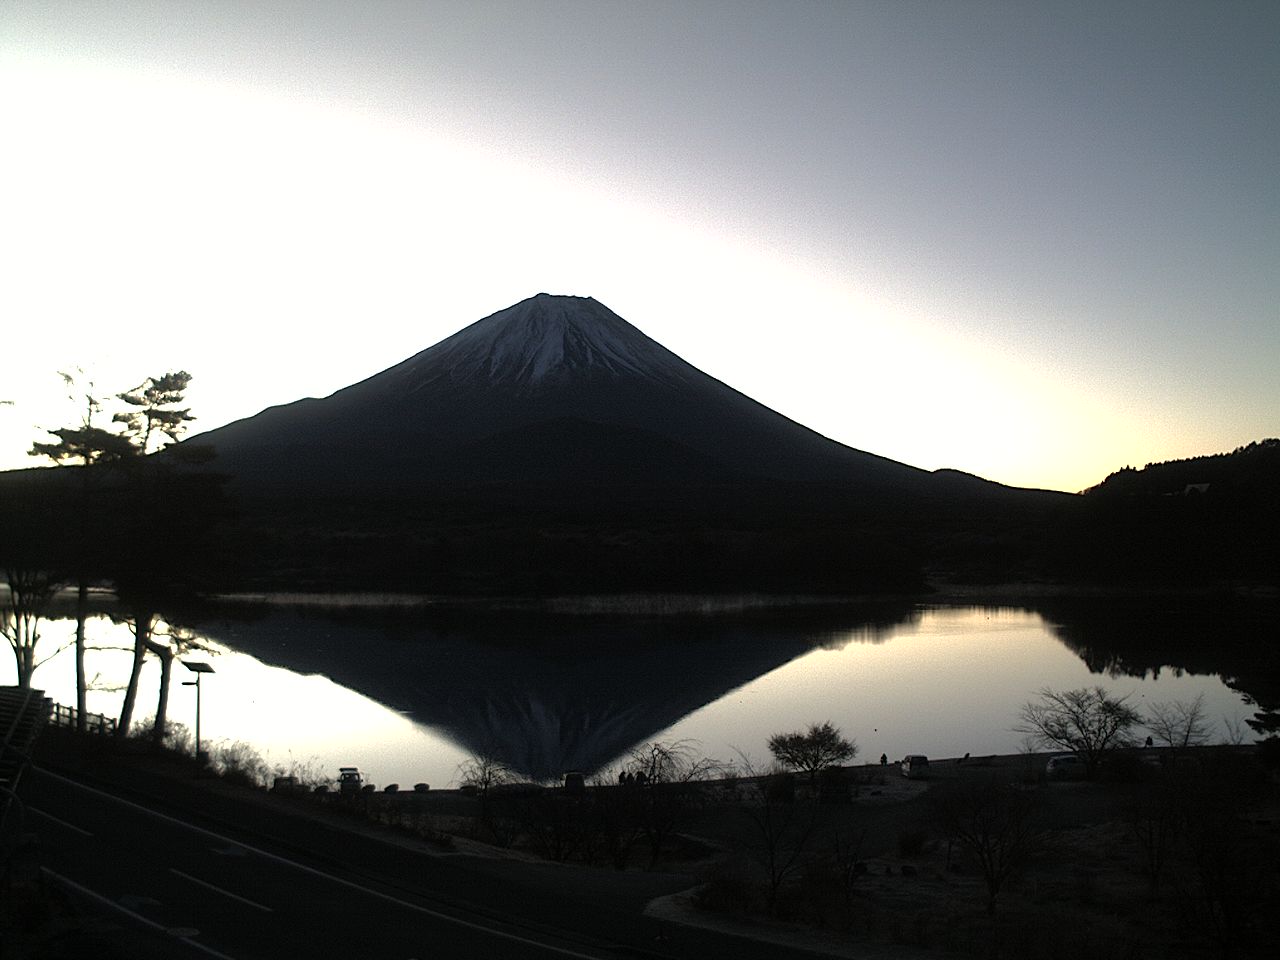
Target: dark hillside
{"type": "Point", "coordinates": [1248, 473]}
{"type": "Point", "coordinates": [1205, 521]}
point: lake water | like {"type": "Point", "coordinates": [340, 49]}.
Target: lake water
{"type": "Point", "coordinates": [409, 694]}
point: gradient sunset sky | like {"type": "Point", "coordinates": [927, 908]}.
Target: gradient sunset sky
{"type": "Point", "coordinates": [1033, 241]}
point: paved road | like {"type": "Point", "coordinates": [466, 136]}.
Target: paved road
{"type": "Point", "coordinates": [222, 897]}
{"type": "Point", "coordinates": [241, 882]}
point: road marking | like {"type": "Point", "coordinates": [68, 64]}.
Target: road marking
{"type": "Point", "coordinates": [177, 934]}
{"type": "Point", "coordinates": [427, 911]}
{"type": "Point", "coordinates": [217, 889]}
{"type": "Point", "coordinates": [70, 826]}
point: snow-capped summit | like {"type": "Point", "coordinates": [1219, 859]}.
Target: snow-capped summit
{"type": "Point", "coordinates": [544, 340]}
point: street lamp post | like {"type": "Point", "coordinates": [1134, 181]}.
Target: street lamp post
{"type": "Point", "coordinates": [199, 668]}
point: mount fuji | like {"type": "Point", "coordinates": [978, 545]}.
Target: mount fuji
{"type": "Point", "coordinates": [553, 447]}
{"type": "Point", "coordinates": [555, 391]}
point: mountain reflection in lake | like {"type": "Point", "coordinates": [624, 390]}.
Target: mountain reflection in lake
{"type": "Point", "coordinates": [542, 693]}
{"type": "Point", "coordinates": [549, 693]}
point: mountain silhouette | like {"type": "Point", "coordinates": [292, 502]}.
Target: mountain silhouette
{"type": "Point", "coordinates": [554, 391]}
{"type": "Point", "coordinates": [552, 446]}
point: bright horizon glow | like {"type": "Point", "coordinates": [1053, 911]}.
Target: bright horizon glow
{"type": "Point", "coordinates": [282, 219]}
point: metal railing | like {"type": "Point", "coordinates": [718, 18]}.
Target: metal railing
{"type": "Point", "coordinates": [93, 722]}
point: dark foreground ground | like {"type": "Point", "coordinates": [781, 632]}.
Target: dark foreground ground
{"type": "Point", "coordinates": [1163, 855]}
{"type": "Point", "coordinates": [129, 854]}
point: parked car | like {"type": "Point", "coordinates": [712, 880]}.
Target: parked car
{"type": "Point", "coordinates": [1064, 766]}
{"type": "Point", "coordinates": [915, 766]}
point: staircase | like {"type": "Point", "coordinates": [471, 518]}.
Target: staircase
{"type": "Point", "coordinates": [23, 714]}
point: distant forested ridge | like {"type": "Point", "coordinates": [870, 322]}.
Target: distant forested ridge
{"type": "Point", "coordinates": [1211, 521]}
{"type": "Point", "coordinates": [1250, 472]}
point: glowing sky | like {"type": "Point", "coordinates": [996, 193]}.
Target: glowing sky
{"type": "Point", "coordinates": [1036, 242]}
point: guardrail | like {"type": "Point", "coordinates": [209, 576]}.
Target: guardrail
{"type": "Point", "coordinates": [93, 722]}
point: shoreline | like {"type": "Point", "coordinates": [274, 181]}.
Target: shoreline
{"type": "Point", "coordinates": [1012, 594]}
{"type": "Point", "coordinates": [648, 604]}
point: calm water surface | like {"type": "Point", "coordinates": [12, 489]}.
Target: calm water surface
{"type": "Point", "coordinates": [409, 700]}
